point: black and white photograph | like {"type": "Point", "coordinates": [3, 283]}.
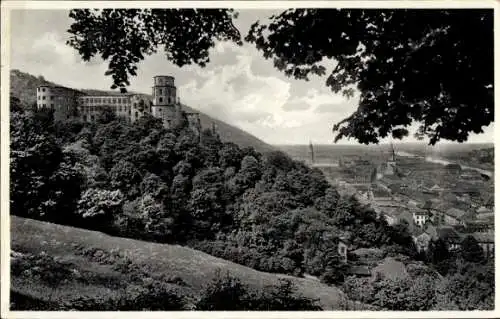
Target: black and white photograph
{"type": "Point", "coordinates": [248, 156]}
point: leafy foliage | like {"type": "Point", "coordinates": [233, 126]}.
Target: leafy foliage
{"type": "Point", "coordinates": [125, 36]}
{"type": "Point", "coordinates": [427, 66]}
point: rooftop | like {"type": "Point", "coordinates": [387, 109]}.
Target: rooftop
{"type": "Point", "coordinates": [456, 213]}
{"type": "Point", "coordinates": [448, 233]}
{"type": "Point", "coordinates": [60, 87]}
{"type": "Point", "coordinates": [359, 270]}
{"type": "Point", "coordinates": [484, 237]}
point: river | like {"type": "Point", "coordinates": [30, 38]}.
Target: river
{"type": "Point", "coordinates": [442, 161]}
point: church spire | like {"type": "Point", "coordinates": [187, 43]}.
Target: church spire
{"type": "Point", "coordinates": [311, 149]}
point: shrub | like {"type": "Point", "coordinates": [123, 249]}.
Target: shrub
{"type": "Point", "coordinates": [228, 293]}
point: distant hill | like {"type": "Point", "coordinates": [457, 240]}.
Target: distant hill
{"type": "Point", "coordinates": [23, 86]}
{"type": "Point", "coordinates": [195, 268]}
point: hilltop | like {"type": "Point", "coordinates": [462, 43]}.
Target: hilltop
{"type": "Point", "coordinates": [23, 85]}
{"type": "Point", "coordinates": [193, 267]}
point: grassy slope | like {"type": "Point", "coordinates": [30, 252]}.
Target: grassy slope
{"type": "Point", "coordinates": [23, 86]}
{"type": "Point", "coordinates": [194, 267]}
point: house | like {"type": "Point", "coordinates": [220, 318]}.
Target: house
{"type": "Point", "coordinates": [434, 208]}
{"type": "Point", "coordinates": [478, 226]}
{"type": "Point", "coordinates": [368, 256]}
{"type": "Point", "coordinates": [359, 271]}
{"type": "Point", "coordinates": [420, 217]}
{"type": "Point", "coordinates": [343, 245]}
{"type": "Point", "coordinates": [450, 236]}
{"type": "Point", "coordinates": [487, 242]}
{"type": "Point", "coordinates": [412, 203]}
{"type": "Point", "coordinates": [447, 234]}
{"type": "Point", "coordinates": [484, 210]}
{"type": "Point", "coordinates": [454, 216]}
{"type": "Point", "coordinates": [470, 193]}
{"type": "Point", "coordinates": [381, 194]}
{"type": "Point", "coordinates": [486, 216]}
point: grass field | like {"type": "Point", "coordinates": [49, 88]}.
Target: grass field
{"type": "Point", "coordinates": [195, 268]}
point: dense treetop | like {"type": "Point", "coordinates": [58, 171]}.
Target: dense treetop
{"type": "Point", "coordinates": [125, 36]}
{"type": "Point", "coordinates": [429, 66]}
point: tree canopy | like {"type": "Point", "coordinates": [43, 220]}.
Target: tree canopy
{"type": "Point", "coordinates": [431, 67]}
{"type": "Point", "coordinates": [124, 36]}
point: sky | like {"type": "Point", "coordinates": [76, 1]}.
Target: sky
{"type": "Point", "coordinates": [238, 86]}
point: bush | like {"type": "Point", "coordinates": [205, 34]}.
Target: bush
{"type": "Point", "coordinates": [228, 293]}
{"type": "Point", "coordinates": [224, 293]}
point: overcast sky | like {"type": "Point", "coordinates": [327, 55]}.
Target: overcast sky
{"type": "Point", "coordinates": [239, 86]}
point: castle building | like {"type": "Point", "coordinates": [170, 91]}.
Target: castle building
{"type": "Point", "coordinates": [58, 98]}
{"type": "Point", "coordinates": [69, 103]}
{"type": "Point", "coordinates": [128, 106]}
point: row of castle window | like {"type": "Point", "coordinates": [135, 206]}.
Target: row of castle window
{"type": "Point", "coordinates": [88, 100]}
{"type": "Point", "coordinates": [169, 100]}
{"type": "Point", "coordinates": [43, 97]}
{"type": "Point", "coordinates": [119, 108]}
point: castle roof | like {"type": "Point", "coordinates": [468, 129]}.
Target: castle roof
{"type": "Point", "coordinates": [61, 88]}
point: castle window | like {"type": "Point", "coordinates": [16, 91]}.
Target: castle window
{"type": "Point", "coordinates": [43, 90]}
{"type": "Point", "coordinates": [43, 97]}
{"type": "Point", "coordinates": [51, 97]}
{"type": "Point", "coordinates": [160, 100]}
{"type": "Point", "coordinates": [161, 92]}
{"type": "Point", "coordinates": [169, 101]}
{"type": "Point", "coordinates": [136, 115]}
{"type": "Point", "coordinates": [114, 101]}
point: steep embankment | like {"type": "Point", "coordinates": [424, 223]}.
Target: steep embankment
{"type": "Point", "coordinates": [195, 268]}
{"type": "Point", "coordinates": [23, 86]}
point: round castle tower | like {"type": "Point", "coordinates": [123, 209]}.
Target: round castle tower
{"type": "Point", "coordinates": [164, 100]}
